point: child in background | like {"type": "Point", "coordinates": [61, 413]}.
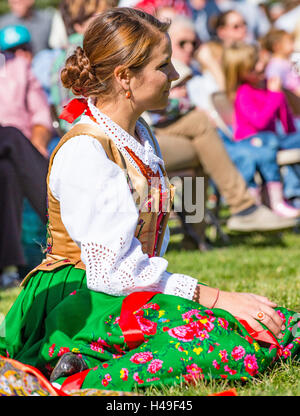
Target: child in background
{"type": "Point", "coordinates": [281, 45]}
{"type": "Point", "coordinates": [258, 105]}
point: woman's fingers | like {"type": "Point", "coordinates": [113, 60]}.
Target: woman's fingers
{"type": "Point", "coordinates": [261, 309]}
{"type": "Point", "coordinates": [265, 300]}
{"type": "Point", "coordinates": [272, 320]}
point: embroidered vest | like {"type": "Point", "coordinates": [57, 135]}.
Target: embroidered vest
{"type": "Point", "coordinates": [62, 250]}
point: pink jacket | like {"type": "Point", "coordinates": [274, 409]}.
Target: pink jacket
{"type": "Point", "coordinates": [23, 102]}
{"type": "Point", "coordinates": [257, 110]}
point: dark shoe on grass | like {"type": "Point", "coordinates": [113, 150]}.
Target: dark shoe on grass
{"type": "Point", "coordinates": [67, 365]}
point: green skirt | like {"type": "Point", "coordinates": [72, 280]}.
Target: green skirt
{"type": "Point", "coordinates": [183, 341]}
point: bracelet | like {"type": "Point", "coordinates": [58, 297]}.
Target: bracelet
{"type": "Point", "coordinates": [216, 300]}
{"type": "Point", "coordinates": [196, 296]}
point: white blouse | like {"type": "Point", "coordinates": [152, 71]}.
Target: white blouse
{"type": "Point", "coordinates": [99, 213]}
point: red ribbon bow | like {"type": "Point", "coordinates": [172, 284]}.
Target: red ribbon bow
{"type": "Point", "coordinates": [74, 109]}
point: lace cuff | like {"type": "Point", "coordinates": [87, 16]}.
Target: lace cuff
{"type": "Point", "coordinates": [180, 285]}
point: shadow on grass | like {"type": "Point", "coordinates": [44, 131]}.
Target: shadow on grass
{"type": "Point", "coordinates": [250, 240]}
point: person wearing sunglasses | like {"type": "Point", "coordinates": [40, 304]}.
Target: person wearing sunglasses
{"type": "Point", "coordinates": [184, 39]}
{"type": "Point", "coordinates": [230, 27]}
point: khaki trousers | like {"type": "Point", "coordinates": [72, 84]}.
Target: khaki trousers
{"type": "Point", "coordinates": [192, 141]}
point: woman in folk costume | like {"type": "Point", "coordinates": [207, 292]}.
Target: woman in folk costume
{"type": "Point", "coordinates": [102, 311]}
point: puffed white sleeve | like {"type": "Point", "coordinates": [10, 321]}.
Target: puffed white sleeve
{"type": "Point", "coordinates": [98, 212]}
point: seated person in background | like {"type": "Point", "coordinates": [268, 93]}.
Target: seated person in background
{"type": "Point", "coordinates": [211, 79]}
{"type": "Point", "coordinates": [47, 65]}
{"type": "Point", "coordinates": [257, 107]}
{"type": "Point", "coordinates": [255, 16]}
{"type": "Point", "coordinates": [280, 44]}
{"type": "Point", "coordinates": [231, 27]}
{"type": "Point", "coordinates": [24, 135]}
{"type": "Point", "coordinates": [38, 22]}
{"type": "Point", "coordinates": [184, 42]}
{"type": "Point", "coordinates": [187, 138]}
{"type": "Point", "coordinates": [23, 102]}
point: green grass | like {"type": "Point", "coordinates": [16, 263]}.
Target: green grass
{"type": "Point", "coordinates": [267, 264]}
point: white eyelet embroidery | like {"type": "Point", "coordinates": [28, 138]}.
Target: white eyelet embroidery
{"type": "Point", "coordinates": [123, 139]}
{"type": "Point", "coordinates": [124, 270]}
{"type": "Point", "coordinates": [109, 273]}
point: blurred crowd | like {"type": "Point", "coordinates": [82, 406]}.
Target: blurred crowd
{"type": "Point", "coordinates": [233, 114]}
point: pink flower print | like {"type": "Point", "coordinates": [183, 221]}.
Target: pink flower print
{"type": "Point", "coordinates": [209, 312]}
{"type": "Point", "coordinates": [51, 350]}
{"type": "Point", "coordinates": [147, 327]}
{"type": "Point", "coordinates": [141, 357]}
{"type": "Point", "coordinates": [73, 293]}
{"type": "Point", "coordinates": [150, 305]}
{"type": "Point", "coordinates": [224, 356]}
{"type": "Point", "coordinates": [124, 374]}
{"type": "Point", "coordinates": [238, 352]}
{"type": "Point", "coordinates": [62, 351]}
{"type": "Point", "coordinates": [108, 377]}
{"type": "Point", "coordinates": [286, 351]}
{"type": "Point", "coordinates": [251, 364]}
{"type": "Point", "coordinates": [216, 365]}
{"type": "Point", "coordinates": [208, 325]}
{"type": "Point", "coordinates": [223, 323]}
{"type": "Point", "coordinates": [154, 366]}
{"type": "Point", "coordinates": [116, 321]}
{"type": "Point", "coordinates": [104, 382]}
{"type": "Point", "coordinates": [183, 333]}
{"type": "Point", "coordinates": [229, 370]}
{"type": "Point", "coordinates": [170, 370]}
{"type": "Point", "coordinates": [152, 379]}
{"type": "Point", "coordinates": [281, 316]}
{"type": "Point", "coordinates": [96, 346]}
{"type": "Point", "coordinates": [210, 349]}
{"type": "Point", "coordinates": [194, 370]}
{"type": "Point", "coordinates": [188, 315]}
{"type": "Point", "coordinates": [137, 378]}
{"type": "Point", "coordinates": [202, 335]}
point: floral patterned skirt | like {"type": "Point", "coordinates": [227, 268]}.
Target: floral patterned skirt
{"type": "Point", "coordinates": [183, 341]}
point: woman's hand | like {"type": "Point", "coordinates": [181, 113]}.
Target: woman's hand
{"type": "Point", "coordinates": [247, 306]}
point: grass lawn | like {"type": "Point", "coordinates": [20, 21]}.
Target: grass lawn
{"type": "Point", "coordinates": [267, 264]}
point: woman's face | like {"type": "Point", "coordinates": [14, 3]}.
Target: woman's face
{"type": "Point", "coordinates": [234, 30]}
{"type": "Point", "coordinates": [150, 86]}
{"type": "Point", "coordinates": [184, 44]}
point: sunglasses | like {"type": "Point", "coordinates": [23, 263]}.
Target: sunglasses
{"type": "Point", "coordinates": [238, 25]}
{"type": "Point", "coordinates": [182, 43]}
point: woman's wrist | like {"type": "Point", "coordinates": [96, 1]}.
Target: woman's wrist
{"type": "Point", "coordinates": [206, 296]}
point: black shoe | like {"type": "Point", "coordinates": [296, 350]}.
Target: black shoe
{"type": "Point", "coordinates": [67, 365]}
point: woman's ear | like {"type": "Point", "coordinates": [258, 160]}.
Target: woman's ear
{"type": "Point", "coordinates": [122, 77]}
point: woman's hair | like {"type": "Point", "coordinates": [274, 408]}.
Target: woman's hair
{"type": "Point", "coordinates": [118, 37]}
{"type": "Point", "coordinates": [79, 11]}
{"type": "Point", "coordinates": [238, 60]}
{"type": "Point", "coordinates": [272, 38]}
{"type": "Point", "coordinates": [216, 49]}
